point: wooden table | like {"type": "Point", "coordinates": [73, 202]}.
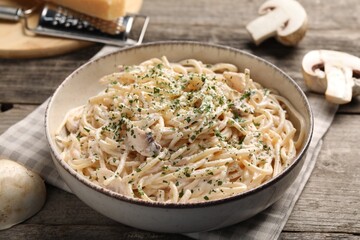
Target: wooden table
{"type": "Point", "coordinates": [329, 207]}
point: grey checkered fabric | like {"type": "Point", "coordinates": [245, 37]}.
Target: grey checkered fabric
{"type": "Point", "coordinates": [26, 143]}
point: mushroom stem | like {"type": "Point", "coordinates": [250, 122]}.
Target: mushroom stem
{"type": "Point", "coordinates": [266, 26]}
{"type": "Point", "coordinates": [339, 84]}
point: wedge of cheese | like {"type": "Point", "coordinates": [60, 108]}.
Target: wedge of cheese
{"type": "Point", "coordinates": [104, 9]}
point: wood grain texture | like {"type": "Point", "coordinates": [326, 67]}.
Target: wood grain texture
{"type": "Point", "coordinates": [15, 114]}
{"type": "Point", "coordinates": [317, 236]}
{"type": "Point", "coordinates": [329, 205]}
{"type": "Point", "coordinates": [32, 81]}
{"type": "Point", "coordinates": [330, 200]}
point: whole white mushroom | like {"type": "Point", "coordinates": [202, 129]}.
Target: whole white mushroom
{"type": "Point", "coordinates": [22, 193]}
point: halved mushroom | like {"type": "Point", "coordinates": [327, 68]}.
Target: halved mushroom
{"type": "Point", "coordinates": [332, 73]}
{"type": "Point", "coordinates": [142, 142]}
{"type": "Point", "coordinates": [22, 193]}
{"type": "Point", "coordinates": [284, 19]}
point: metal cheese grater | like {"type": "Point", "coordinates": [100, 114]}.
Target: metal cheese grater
{"type": "Point", "coordinates": [62, 22]}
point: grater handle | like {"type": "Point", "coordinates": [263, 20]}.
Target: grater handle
{"type": "Point", "coordinates": [10, 13]}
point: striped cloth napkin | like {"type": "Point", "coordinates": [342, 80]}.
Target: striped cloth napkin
{"type": "Point", "coordinates": [26, 143]}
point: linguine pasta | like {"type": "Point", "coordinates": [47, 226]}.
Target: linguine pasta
{"type": "Point", "coordinates": [180, 132]}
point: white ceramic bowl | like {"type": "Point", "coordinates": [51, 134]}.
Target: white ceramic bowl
{"type": "Point", "coordinates": [83, 83]}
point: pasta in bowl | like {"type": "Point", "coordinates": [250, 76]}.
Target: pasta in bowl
{"type": "Point", "coordinates": [179, 136]}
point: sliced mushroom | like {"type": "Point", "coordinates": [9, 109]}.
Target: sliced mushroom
{"type": "Point", "coordinates": [332, 73]}
{"type": "Point", "coordinates": [142, 142]}
{"type": "Point", "coordinates": [22, 193]}
{"type": "Point", "coordinates": [235, 80]}
{"type": "Point", "coordinates": [284, 19]}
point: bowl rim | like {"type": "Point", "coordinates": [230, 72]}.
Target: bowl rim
{"type": "Point", "coordinates": [118, 196]}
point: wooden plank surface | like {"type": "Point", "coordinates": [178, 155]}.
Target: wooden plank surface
{"type": "Point", "coordinates": [330, 201]}
{"type": "Point", "coordinates": [329, 205]}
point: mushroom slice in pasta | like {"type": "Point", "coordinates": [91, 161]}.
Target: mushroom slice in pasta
{"type": "Point", "coordinates": [235, 80]}
{"type": "Point", "coordinates": [142, 142]}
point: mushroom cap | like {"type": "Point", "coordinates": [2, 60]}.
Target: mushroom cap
{"type": "Point", "coordinates": [22, 193]}
{"type": "Point", "coordinates": [313, 71]}
{"type": "Point", "coordinates": [294, 29]}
